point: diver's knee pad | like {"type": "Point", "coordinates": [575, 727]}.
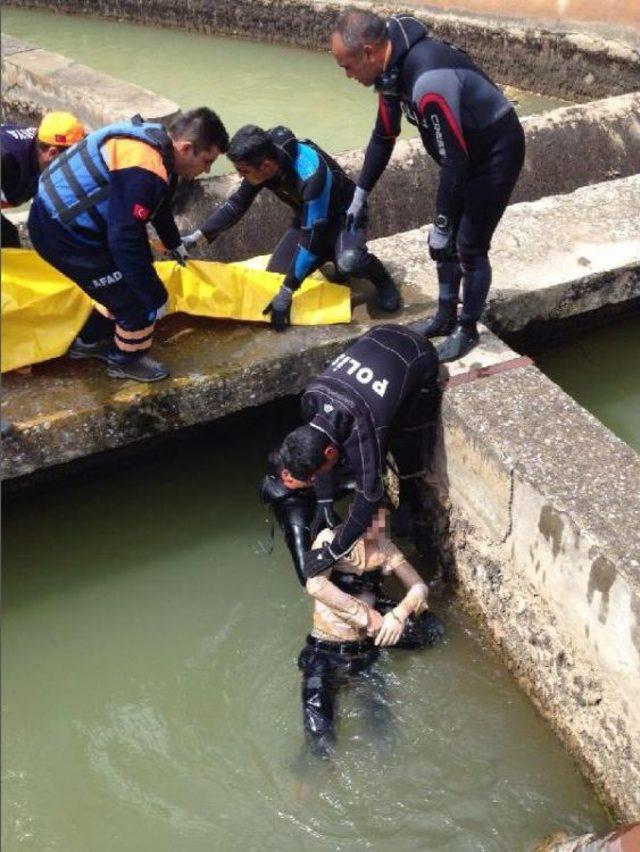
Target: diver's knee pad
{"type": "Point", "coordinates": [351, 251]}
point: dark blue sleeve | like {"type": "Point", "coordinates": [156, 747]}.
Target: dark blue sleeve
{"type": "Point", "coordinates": [134, 194]}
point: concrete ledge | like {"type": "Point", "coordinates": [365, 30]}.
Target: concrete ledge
{"type": "Point", "coordinates": [552, 259]}
{"type": "Point", "coordinates": [65, 410]}
{"type": "Point", "coordinates": [566, 148]}
{"type": "Point", "coordinates": [572, 65]}
{"type": "Point", "coordinates": [545, 545]}
{"type": "Point", "coordinates": [35, 81]}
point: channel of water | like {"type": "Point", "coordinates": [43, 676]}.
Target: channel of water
{"type": "Point", "coordinates": [151, 694]}
{"type": "Point", "coordinates": [600, 371]}
{"type": "Point", "coordinates": [244, 81]}
{"type": "Point", "coordinates": [150, 689]}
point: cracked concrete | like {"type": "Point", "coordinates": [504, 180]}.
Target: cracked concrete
{"type": "Point", "coordinates": [538, 493]}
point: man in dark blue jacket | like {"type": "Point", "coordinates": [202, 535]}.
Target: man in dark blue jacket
{"type": "Point", "coordinates": [469, 128]}
{"type": "Point", "coordinates": [26, 152]}
{"type": "Point", "coordinates": [89, 220]}
{"type": "Point", "coordinates": [317, 189]}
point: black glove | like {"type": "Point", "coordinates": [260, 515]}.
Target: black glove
{"type": "Point", "coordinates": [325, 517]}
{"type": "Point", "coordinates": [280, 309]}
{"type": "Point", "coordinates": [441, 244]}
{"type": "Point", "coordinates": [314, 562]}
{"type": "Point", "coordinates": [179, 254]}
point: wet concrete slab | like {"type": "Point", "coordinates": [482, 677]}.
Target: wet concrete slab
{"type": "Point", "coordinates": [64, 410]}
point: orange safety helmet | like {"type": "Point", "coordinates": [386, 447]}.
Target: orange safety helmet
{"type": "Point", "coordinates": [61, 129]}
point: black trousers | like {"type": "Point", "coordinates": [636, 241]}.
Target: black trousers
{"type": "Point", "coordinates": [95, 271]}
{"type": "Point", "coordinates": [333, 245]}
{"type": "Point", "coordinates": [329, 666]}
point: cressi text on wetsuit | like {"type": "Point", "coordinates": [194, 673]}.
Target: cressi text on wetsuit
{"type": "Point", "coordinates": [468, 127]}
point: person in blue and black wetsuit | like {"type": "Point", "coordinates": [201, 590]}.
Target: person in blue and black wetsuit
{"type": "Point", "coordinates": [89, 220]}
{"type": "Point", "coordinates": [27, 151]}
{"type": "Point", "coordinates": [319, 192]}
{"type": "Point", "coordinates": [469, 128]}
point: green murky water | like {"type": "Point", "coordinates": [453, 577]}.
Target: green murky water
{"type": "Point", "coordinates": [600, 371]}
{"type": "Point", "coordinates": [151, 696]}
{"type": "Point", "coordinates": [246, 82]}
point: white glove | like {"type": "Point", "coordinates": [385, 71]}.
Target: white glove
{"type": "Point", "coordinates": [391, 630]}
{"type": "Point", "coordinates": [162, 310]}
{"type": "Point", "coordinates": [190, 240]}
{"type": "Point", "coordinates": [356, 208]}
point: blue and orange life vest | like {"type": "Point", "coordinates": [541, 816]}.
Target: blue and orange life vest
{"type": "Point", "coordinates": [75, 187]}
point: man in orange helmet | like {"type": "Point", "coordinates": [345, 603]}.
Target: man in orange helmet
{"type": "Point", "coordinates": [26, 152]}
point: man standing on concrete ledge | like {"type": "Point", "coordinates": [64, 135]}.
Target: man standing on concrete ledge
{"type": "Point", "coordinates": [89, 220]}
{"type": "Point", "coordinates": [469, 128]}
{"type": "Point", "coordinates": [319, 192]}
{"type": "Point", "coordinates": [382, 392]}
{"type": "Point", "coordinates": [27, 151]}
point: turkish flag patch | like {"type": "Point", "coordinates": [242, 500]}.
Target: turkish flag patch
{"type": "Point", "coordinates": [141, 213]}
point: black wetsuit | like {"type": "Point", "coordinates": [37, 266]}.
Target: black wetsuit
{"type": "Point", "coordinates": [381, 393]}
{"type": "Point", "coordinates": [469, 128]}
{"type": "Point", "coordinates": [319, 192]}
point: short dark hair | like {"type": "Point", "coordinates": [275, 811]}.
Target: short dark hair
{"type": "Point", "coordinates": [202, 127]}
{"type": "Point", "coordinates": [357, 27]}
{"type": "Point", "coordinates": [302, 451]}
{"type": "Point", "coordinates": [252, 145]}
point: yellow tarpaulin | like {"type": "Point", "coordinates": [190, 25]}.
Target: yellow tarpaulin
{"type": "Point", "coordinates": [42, 311]}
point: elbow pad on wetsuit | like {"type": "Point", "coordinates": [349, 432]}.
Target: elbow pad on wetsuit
{"type": "Point", "coordinates": [294, 511]}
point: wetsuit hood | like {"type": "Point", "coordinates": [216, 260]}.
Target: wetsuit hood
{"type": "Point", "coordinates": [404, 31]}
{"type": "Point", "coordinates": [286, 145]}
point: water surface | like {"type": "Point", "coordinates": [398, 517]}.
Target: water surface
{"type": "Point", "coordinates": [600, 371]}
{"type": "Point", "coordinates": [151, 696]}
{"type": "Point", "coordinates": [244, 81]}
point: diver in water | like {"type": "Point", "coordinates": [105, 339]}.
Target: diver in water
{"type": "Point", "coordinates": [351, 622]}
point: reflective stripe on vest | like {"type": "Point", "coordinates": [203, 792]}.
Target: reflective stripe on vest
{"type": "Point", "coordinates": [75, 187]}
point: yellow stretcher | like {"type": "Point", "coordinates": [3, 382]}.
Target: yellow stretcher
{"type": "Point", "coordinates": [42, 311]}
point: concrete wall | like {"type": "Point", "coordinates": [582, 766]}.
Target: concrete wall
{"type": "Point", "coordinates": [566, 148]}
{"type": "Point", "coordinates": [571, 65]}
{"type": "Point", "coordinates": [35, 81]}
{"type": "Point", "coordinates": [544, 544]}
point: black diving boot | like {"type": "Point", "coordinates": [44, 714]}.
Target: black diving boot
{"type": "Point", "coordinates": [388, 299]}
{"type": "Point", "coordinates": [100, 349]}
{"type": "Point", "coordinates": [458, 344]}
{"type": "Point", "coordinates": [143, 369]}
{"type": "Point", "coordinates": [441, 323]}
